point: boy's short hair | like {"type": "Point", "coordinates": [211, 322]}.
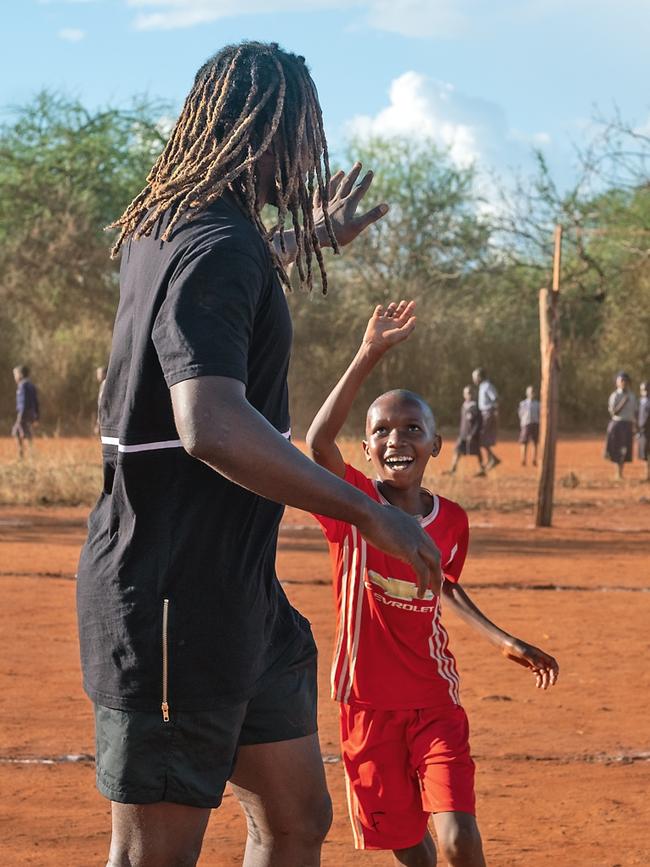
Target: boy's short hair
{"type": "Point", "coordinates": [407, 396]}
{"type": "Point", "coordinates": [22, 369]}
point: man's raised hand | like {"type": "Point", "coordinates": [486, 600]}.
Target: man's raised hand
{"type": "Point", "coordinates": [344, 199]}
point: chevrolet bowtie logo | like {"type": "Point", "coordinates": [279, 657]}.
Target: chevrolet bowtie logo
{"type": "Point", "coordinates": [397, 589]}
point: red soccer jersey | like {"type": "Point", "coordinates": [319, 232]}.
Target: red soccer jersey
{"type": "Point", "coordinates": [391, 650]}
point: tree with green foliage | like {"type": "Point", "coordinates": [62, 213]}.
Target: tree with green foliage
{"type": "Point", "coordinates": [65, 173]}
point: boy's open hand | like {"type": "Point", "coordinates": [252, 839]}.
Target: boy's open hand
{"type": "Point", "coordinates": [544, 666]}
{"type": "Point", "coordinates": [390, 326]}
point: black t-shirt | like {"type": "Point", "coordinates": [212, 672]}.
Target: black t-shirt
{"type": "Point", "coordinates": [166, 526]}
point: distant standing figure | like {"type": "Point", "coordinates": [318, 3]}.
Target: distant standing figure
{"type": "Point", "coordinates": [529, 425]}
{"type": "Point", "coordinates": [100, 374]}
{"type": "Point", "coordinates": [622, 408]}
{"type": "Point", "coordinates": [488, 404]}
{"type": "Point", "coordinates": [26, 408]}
{"type": "Point", "coordinates": [644, 427]}
{"type": "Point", "coordinates": [468, 442]}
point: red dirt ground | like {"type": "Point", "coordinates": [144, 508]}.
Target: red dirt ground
{"type": "Point", "coordinates": [562, 776]}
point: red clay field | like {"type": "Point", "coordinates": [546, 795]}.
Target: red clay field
{"type": "Point", "coordinates": [562, 777]}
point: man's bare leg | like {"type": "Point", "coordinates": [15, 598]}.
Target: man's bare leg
{"type": "Point", "coordinates": [156, 835]}
{"type": "Point", "coordinates": [281, 788]}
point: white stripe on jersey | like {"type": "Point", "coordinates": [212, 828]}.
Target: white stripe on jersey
{"type": "Point", "coordinates": [443, 661]}
{"type": "Point", "coordinates": [357, 625]}
{"type": "Point", "coordinates": [342, 610]}
{"type": "Point", "coordinates": [347, 619]}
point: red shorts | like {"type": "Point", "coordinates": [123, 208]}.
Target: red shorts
{"type": "Point", "coordinates": [401, 766]}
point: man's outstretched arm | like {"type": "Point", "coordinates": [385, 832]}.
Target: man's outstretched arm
{"type": "Point", "coordinates": [218, 426]}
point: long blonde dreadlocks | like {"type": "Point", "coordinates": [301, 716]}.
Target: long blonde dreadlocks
{"type": "Point", "coordinates": [245, 99]}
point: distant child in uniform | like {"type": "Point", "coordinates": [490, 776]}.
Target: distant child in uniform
{"type": "Point", "coordinates": [404, 733]}
{"type": "Point", "coordinates": [469, 434]}
{"type": "Point", "coordinates": [620, 430]}
{"type": "Point", "coordinates": [27, 412]}
{"type": "Point", "coordinates": [644, 427]}
{"type": "Point", "coordinates": [529, 425]}
{"type": "Point", "coordinates": [488, 404]}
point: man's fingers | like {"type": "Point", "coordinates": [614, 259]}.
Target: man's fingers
{"type": "Point", "coordinates": [335, 182]}
{"type": "Point", "coordinates": [422, 574]}
{"type": "Point", "coordinates": [371, 216]}
{"type": "Point", "coordinates": [349, 180]}
{"type": "Point", "coordinates": [362, 188]}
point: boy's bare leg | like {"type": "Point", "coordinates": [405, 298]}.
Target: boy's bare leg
{"type": "Point", "coordinates": [156, 835]}
{"type": "Point", "coordinates": [281, 788]}
{"type": "Point", "coordinates": [523, 448]}
{"type": "Point", "coordinates": [422, 855]}
{"type": "Point", "coordinates": [534, 454]}
{"type": "Point", "coordinates": [459, 839]}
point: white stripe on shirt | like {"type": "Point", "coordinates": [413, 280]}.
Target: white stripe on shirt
{"type": "Point", "coordinates": [155, 446]}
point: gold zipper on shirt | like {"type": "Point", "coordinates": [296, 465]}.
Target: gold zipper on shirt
{"type": "Point", "coordinates": [165, 661]}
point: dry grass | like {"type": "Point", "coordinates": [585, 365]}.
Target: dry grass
{"type": "Point", "coordinates": [67, 471]}
{"type": "Point", "coordinates": [60, 471]}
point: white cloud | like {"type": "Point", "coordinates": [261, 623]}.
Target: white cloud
{"type": "Point", "coordinates": [473, 130]}
{"type": "Point", "coordinates": [438, 19]}
{"type": "Point", "coordinates": [71, 34]}
{"type": "Point", "coordinates": [176, 14]}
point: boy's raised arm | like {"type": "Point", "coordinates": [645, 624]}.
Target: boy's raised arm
{"type": "Point", "coordinates": [386, 328]}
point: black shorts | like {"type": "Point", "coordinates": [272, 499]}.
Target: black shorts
{"type": "Point", "coordinates": [140, 759]}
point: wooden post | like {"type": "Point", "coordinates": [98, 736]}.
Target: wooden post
{"type": "Point", "coordinates": [549, 334]}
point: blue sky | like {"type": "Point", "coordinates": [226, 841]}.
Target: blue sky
{"type": "Point", "coordinates": [487, 78]}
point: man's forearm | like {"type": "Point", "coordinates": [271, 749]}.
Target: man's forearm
{"type": "Point", "coordinates": [237, 441]}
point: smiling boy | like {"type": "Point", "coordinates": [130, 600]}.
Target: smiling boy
{"type": "Point", "coordinates": [404, 733]}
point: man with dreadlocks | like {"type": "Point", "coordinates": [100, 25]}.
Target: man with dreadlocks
{"type": "Point", "coordinates": [199, 668]}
